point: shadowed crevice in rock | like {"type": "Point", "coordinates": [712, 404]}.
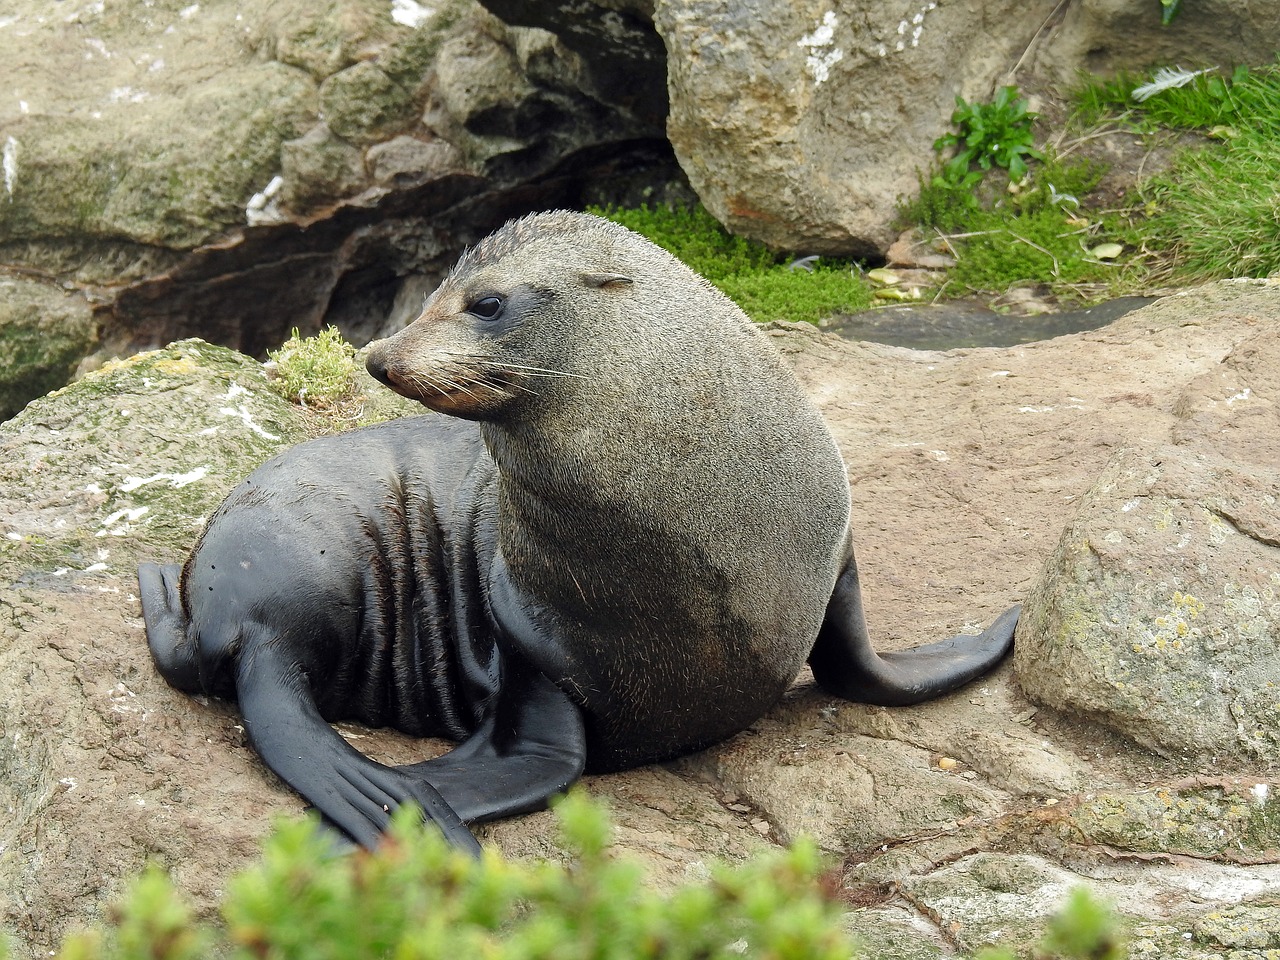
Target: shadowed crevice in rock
{"type": "Point", "coordinates": [348, 266]}
{"type": "Point", "coordinates": [625, 60]}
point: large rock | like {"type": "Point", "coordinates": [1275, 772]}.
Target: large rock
{"type": "Point", "coordinates": [1159, 612]}
{"type": "Point", "coordinates": [803, 124]}
{"type": "Point", "coordinates": [623, 57]}
{"type": "Point", "coordinates": [1109, 36]}
{"type": "Point", "coordinates": [233, 172]}
{"type": "Point", "coordinates": [965, 468]}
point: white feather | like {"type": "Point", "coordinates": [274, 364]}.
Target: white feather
{"type": "Point", "coordinates": [1167, 78]}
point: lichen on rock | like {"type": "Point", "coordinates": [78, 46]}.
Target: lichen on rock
{"type": "Point", "coordinates": [1157, 616]}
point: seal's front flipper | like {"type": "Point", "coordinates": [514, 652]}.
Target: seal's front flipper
{"type": "Point", "coordinates": [531, 746]}
{"type": "Point", "coordinates": [171, 649]}
{"type": "Point", "coordinates": [356, 794]}
{"type": "Point", "coordinates": [845, 664]}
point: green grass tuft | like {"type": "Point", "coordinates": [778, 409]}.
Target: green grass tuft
{"type": "Point", "coordinates": [1209, 102]}
{"type": "Point", "coordinates": [314, 371]}
{"type": "Point", "coordinates": [758, 280]}
{"type": "Point", "coordinates": [1034, 232]}
{"type": "Point", "coordinates": [1211, 215]}
{"type": "Point", "coordinates": [1214, 212]}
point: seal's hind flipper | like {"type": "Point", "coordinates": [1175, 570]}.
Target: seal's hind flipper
{"type": "Point", "coordinates": [845, 664]}
{"type": "Point", "coordinates": [529, 748]}
{"type": "Point", "coordinates": [175, 656]}
{"type": "Point", "coordinates": [354, 793]}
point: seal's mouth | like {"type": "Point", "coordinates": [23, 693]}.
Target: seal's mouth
{"type": "Point", "coordinates": [464, 386]}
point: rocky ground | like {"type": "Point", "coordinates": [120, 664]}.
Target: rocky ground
{"type": "Point", "coordinates": [954, 824]}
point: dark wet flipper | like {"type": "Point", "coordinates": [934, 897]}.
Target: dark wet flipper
{"type": "Point", "coordinates": [356, 794]}
{"type": "Point", "coordinates": [530, 748]}
{"type": "Point", "coordinates": [174, 654]}
{"type": "Point", "coordinates": [845, 664]}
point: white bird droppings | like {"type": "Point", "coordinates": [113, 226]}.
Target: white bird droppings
{"type": "Point", "coordinates": [822, 55]}
{"type": "Point", "coordinates": [410, 13]}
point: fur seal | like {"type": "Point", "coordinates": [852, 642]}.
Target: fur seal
{"type": "Point", "coordinates": [621, 545]}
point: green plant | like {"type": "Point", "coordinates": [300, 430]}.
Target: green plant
{"type": "Point", "coordinates": [314, 371]}
{"type": "Point", "coordinates": [996, 133]}
{"type": "Point", "coordinates": [1035, 231]}
{"type": "Point", "coordinates": [754, 277]}
{"type": "Point", "coordinates": [416, 898]}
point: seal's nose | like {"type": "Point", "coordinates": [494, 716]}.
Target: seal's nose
{"type": "Point", "coordinates": [376, 362]}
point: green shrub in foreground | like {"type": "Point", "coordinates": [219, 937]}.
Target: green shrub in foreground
{"type": "Point", "coordinates": [748, 273]}
{"type": "Point", "coordinates": [417, 899]}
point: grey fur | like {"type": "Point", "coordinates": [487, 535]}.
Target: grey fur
{"type": "Point", "coordinates": [674, 504]}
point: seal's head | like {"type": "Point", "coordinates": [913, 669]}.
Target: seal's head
{"type": "Point", "coordinates": [493, 333]}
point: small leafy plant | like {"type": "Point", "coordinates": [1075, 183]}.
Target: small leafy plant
{"type": "Point", "coordinates": [996, 133]}
{"type": "Point", "coordinates": [314, 371]}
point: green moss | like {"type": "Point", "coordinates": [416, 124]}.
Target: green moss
{"type": "Point", "coordinates": [44, 334]}
{"type": "Point", "coordinates": [761, 282]}
{"type": "Point", "coordinates": [783, 293]}
{"type": "Point", "coordinates": [409, 60]}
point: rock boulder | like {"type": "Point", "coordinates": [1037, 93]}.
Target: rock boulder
{"type": "Point", "coordinates": [804, 124]}
{"type": "Point", "coordinates": [1159, 612]}
{"type": "Point", "coordinates": [233, 172]}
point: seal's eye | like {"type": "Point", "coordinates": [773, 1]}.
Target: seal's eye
{"type": "Point", "coordinates": [486, 308]}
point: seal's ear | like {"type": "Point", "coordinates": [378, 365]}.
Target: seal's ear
{"type": "Point", "coordinates": [606, 281]}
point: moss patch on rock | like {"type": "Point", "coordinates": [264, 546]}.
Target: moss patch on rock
{"type": "Point", "coordinates": [137, 452]}
{"type": "Point", "coordinates": [44, 332]}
